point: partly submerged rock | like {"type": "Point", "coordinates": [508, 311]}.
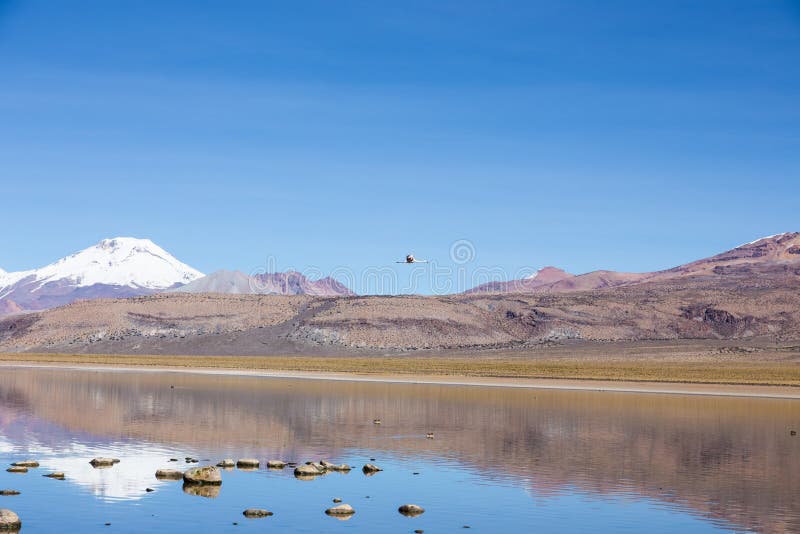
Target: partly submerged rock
{"type": "Point", "coordinates": [26, 463]}
{"type": "Point", "coordinates": [228, 462]}
{"type": "Point", "coordinates": [276, 464]}
{"type": "Point", "coordinates": [342, 509]}
{"type": "Point", "coordinates": [309, 470]}
{"type": "Point", "coordinates": [248, 463]}
{"type": "Point", "coordinates": [9, 520]}
{"type": "Point", "coordinates": [208, 475]}
{"type": "Point", "coordinates": [411, 510]}
{"type": "Point", "coordinates": [370, 469]}
{"type": "Point", "coordinates": [9, 492]}
{"type": "Point", "coordinates": [169, 474]}
{"type": "Point", "coordinates": [256, 512]}
{"type": "Point", "coordinates": [15, 469]}
{"type": "Point", "coordinates": [57, 475]}
{"type": "Point", "coordinates": [337, 500]}
{"type": "Point", "coordinates": [104, 462]}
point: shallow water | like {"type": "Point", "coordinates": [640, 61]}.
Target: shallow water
{"type": "Point", "coordinates": [501, 459]}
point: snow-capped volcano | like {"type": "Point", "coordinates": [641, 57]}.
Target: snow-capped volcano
{"type": "Point", "coordinates": [119, 267]}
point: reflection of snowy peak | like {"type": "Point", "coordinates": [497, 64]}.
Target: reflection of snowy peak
{"type": "Point", "coordinates": [120, 267]}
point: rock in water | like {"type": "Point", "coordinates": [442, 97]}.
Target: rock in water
{"type": "Point", "coordinates": [370, 469]}
{"type": "Point", "coordinates": [9, 492]}
{"type": "Point", "coordinates": [57, 475]}
{"type": "Point", "coordinates": [169, 474]}
{"type": "Point", "coordinates": [17, 469]}
{"type": "Point", "coordinates": [256, 512]}
{"type": "Point", "coordinates": [228, 462]}
{"type": "Point", "coordinates": [276, 464]}
{"type": "Point", "coordinates": [208, 475]}
{"type": "Point", "coordinates": [104, 462]}
{"type": "Point", "coordinates": [342, 509]}
{"type": "Point", "coordinates": [411, 510]}
{"type": "Point", "coordinates": [9, 520]}
{"type": "Point", "coordinates": [26, 463]}
{"type": "Point", "coordinates": [308, 470]}
{"type": "Point", "coordinates": [248, 463]}
{"type": "Point", "coordinates": [337, 500]}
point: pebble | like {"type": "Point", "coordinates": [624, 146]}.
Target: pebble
{"type": "Point", "coordinates": [17, 469]}
{"type": "Point", "coordinates": [342, 509]}
{"type": "Point", "coordinates": [256, 512]}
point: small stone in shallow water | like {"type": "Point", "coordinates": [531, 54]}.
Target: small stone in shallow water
{"type": "Point", "coordinates": [337, 500]}
{"type": "Point", "coordinates": [342, 509]}
{"type": "Point", "coordinates": [419, 531]}
{"type": "Point", "coordinates": [247, 463]}
{"type": "Point", "coordinates": [370, 469]}
{"type": "Point", "coordinates": [228, 462]}
{"type": "Point", "coordinates": [256, 512]}
{"type": "Point", "coordinates": [9, 492]}
{"type": "Point", "coordinates": [9, 520]}
{"type": "Point", "coordinates": [149, 490]}
{"type": "Point", "coordinates": [411, 510]}
{"type": "Point", "coordinates": [203, 475]}
{"type": "Point", "coordinates": [17, 470]}
{"type": "Point", "coordinates": [173, 459]}
{"type": "Point", "coordinates": [57, 475]}
{"type": "Point", "coordinates": [104, 462]}
{"type": "Point", "coordinates": [276, 464]}
{"type": "Point", "coordinates": [376, 421]}
{"type": "Point", "coordinates": [26, 463]}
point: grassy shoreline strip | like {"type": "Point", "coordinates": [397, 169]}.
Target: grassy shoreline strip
{"type": "Point", "coordinates": [758, 373]}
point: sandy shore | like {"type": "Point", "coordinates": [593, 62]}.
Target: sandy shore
{"type": "Point", "coordinates": [670, 388]}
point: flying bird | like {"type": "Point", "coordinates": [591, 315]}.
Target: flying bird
{"type": "Point", "coordinates": [411, 259]}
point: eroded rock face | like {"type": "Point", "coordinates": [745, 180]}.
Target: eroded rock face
{"type": "Point", "coordinates": [256, 512]}
{"type": "Point", "coordinates": [411, 510]}
{"type": "Point", "coordinates": [342, 509]}
{"type": "Point", "coordinates": [9, 520]}
{"type": "Point", "coordinates": [169, 474]}
{"type": "Point", "coordinates": [208, 475]}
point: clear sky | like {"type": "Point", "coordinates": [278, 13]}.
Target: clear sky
{"type": "Point", "coordinates": [617, 134]}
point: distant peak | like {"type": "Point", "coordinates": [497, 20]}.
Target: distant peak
{"type": "Point", "coordinates": [548, 270]}
{"type": "Point", "coordinates": [776, 237]}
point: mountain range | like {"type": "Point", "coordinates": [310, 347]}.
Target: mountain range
{"type": "Point", "coordinates": [128, 267]}
{"type": "Point", "coordinates": [750, 292]}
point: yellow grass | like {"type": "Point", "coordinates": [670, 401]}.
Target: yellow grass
{"type": "Point", "coordinates": [755, 373]}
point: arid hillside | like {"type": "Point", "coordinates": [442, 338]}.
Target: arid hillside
{"type": "Point", "coordinates": [737, 301]}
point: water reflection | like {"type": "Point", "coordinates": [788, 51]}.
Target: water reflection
{"type": "Point", "coordinates": [727, 459]}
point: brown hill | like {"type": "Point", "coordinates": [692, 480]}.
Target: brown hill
{"type": "Point", "coordinates": [742, 300]}
{"type": "Point", "coordinates": [777, 249]}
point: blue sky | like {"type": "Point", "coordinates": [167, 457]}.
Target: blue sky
{"type": "Point", "coordinates": [612, 134]}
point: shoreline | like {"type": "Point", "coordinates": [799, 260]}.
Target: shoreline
{"type": "Point", "coordinates": [567, 384]}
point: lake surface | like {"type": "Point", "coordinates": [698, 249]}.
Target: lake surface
{"type": "Point", "coordinates": [502, 459]}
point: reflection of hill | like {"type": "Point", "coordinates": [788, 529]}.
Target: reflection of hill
{"type": "Point", "coordinates": [728, 458]}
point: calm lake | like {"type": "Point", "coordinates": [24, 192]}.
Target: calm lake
{"type": "Point", "coordinates": [501, 459]}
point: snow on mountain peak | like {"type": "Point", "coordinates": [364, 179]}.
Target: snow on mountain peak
{"type": "Point", "coordinates": [121, 261]}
